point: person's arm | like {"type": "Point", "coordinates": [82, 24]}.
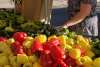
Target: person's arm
{"type": "Point", "coordinates": [85, 10]}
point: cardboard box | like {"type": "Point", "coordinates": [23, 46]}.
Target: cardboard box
{"type": "Point", "coordinates": [35, 9]}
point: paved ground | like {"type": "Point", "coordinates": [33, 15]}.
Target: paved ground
{"type": "Point", "coordinates": [63, 4]}
{"type": "Point", "coordinates": [59, 3]}
{"type": "Point", "coordinates": [6, 4]}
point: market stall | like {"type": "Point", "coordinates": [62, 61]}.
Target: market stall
{"type": "Point", "coordinates": [32, 43]}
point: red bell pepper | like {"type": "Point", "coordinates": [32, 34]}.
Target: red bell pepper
{"type": "Point", "coordinates": [54, 41]}
{"type": "Point", "coordinates": [57, 52]}
{"type": "Point", "coordinates": [3, 39]}
{"type": "Point", "coordinates": [19, 36]}
{"type": "Point", "coordinates": [17, 48]}
{"type": "Point", "coordinates": [36, 46]}
{"type": "Point", "coordinates": [70, 61]}
{"type": "Point", "coordinates": [46, 60]}
{"type": "Point", "coordinates": [46, 47]}
{"type": "Point", "coordinates": [60, 63]}
{"type": "Point", "coordinates": [83, 51]}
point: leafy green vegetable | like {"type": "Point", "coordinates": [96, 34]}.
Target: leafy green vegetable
{"type": "Point", "coordinates": [96, 46]}
{"type": "Point", "coordinates": [2, 24]}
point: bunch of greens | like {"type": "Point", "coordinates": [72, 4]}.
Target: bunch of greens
{"type": "Point", "coordinates": [96, 46]}
{"type": "Point", "coordinates": [11, 22]}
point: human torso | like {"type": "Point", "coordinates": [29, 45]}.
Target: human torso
{"type": "Point", "coordinates": [74, 6]}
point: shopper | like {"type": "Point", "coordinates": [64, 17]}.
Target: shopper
{"type": "Point", "coordinates": [81, 17]}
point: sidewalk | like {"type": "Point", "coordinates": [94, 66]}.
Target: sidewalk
{"type": "Point", "coordinates": [59, 3]}
{"type": "Point", "coordinates": [6, 4]}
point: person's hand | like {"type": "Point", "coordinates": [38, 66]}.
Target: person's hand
{"type": "Point", "coordinates": [69, 24]}
{"type": "Point", "coordinates": [58, 27]}
{"type": "Point", "coordinates": [64, 26]}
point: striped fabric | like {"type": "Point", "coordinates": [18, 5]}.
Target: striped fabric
{"type": "Point", "coordinates": [74, 5]}
{"type": "Point", "coordinates": [89, 25]}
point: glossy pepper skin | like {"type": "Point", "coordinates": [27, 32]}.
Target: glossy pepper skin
{"type": "Point", "coordinates": [54, 41]}
{"type": "Point", "coordinates": [70, 61]}
{"type": "Point", "coordinates": [42, 38]}
{"type": "Point", "coordinates": [17, 48]}
{"type": "Point", "coordinates": [60, 63]}
{"type": "Point", "coordinates": [3, 39]}
{"type": "Point", "coordinates": [57, 52]}
{"type": "Point", "coordinates": [62, 39]}
{"type": "Point", "coordinates": [36, 46]}
{"type": "Point", "coordinates": [83, 51]}
{"type": "Point", "coordinates": [19, 36]}
{"type": "Point", "coordinates": [46, 47]}
{"type": "Point", "coordinates": [46, 60]}
{"type": "Point", "coordinates": [53, 55]}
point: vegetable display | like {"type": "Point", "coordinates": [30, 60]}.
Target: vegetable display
{"type": "Point", "coordinates": [22, 50]}
{"type": "Point", "coordinates": [25, 43]}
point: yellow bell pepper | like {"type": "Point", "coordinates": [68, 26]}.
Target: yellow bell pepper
{"type": "Point", "coordinates": [50, 37]}
{"type": "Point", "coordinates": [33, 58]}
{"type": "Point", "coordinates": [83, 42]}
{"type": "Point", "coordinates": [42, 38]}
{"type": "Point", "coordinates": [27, 65]}
{"type": "Point", "coordinates": [37, 64]}
{"type": "Point", "coordinates": [89, 53]}
{"type": "Point", "coordinates": [70, 41]}
{"type": "Point", "coordinates": [85, 61]}
{"type": "Point", "coordinates": [7, 66]}
{"type": "Point", "coordinates": [96, 62]}
{"type": "Point", "coordinates": [62, 39]}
